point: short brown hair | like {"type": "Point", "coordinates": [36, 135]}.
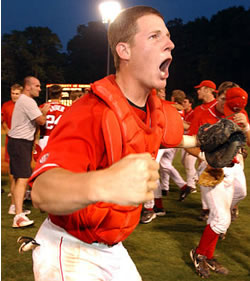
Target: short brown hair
{"type": "Point", "coordinates": [55, 92]}
{"type": "Point", "coordinates": [225, 86]}
{"type": "Point", "coordinates": [27, 80]}
{"type": "Point", "coordinates": [124, 27]}
{"type": "Point", "coordinates": [178, 96]}
{"type": "Point", "coordinates": [16, 87]}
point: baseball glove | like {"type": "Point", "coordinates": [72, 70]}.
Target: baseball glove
{"type": "Point", "coordinates": [221, 142]}
{"type": "Point", "coordinates": [211, 177]}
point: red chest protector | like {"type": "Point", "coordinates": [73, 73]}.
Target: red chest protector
{"type": "Point", "coordinates": [123, 130]}
{"type": "Point", "coordinates": [124, 133]}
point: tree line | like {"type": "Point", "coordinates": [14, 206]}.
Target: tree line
{"type": "Point", "coordinates": [217, 49]}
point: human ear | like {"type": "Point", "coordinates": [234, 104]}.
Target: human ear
{"type": "Point", "coordinates": [123, 50]}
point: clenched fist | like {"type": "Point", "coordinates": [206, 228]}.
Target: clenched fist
{"type": "Point", "coordinates": [131, 180]}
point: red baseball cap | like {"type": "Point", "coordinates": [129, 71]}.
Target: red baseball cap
{"type": "Point", "coordinates": [236, 100]}
{"type": "Point", "coordinates": [206, 83]}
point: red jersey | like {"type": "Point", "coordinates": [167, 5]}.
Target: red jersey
{"type": "Point", "coordinates": [198, 112]}
{"type": "Point", "coordinates": [52, 118]}
{"type": "Point", "coordinates": [212, 116]}
{"type": "Point", "coordinates": [6, 112]}
{"type": "Point", "coordinates": [188, 116]}
{"type": "Point", "coordinates": [78, 144]}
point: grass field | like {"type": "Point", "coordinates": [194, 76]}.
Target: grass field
{"type": "Point", "coordinates": [160, 249]}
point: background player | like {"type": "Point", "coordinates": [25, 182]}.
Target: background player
{"type": "Point", "coordinates": [53, 116]}
{"type": "Point", "coordinates": [6, 115]}
{"type": "Point", "coordinates": [187, 159]}
{"type": "Point", "coordinates": [206, 92]}
{"type": "Point", "coordinates": [26, 115]}
{"type": "Point", "coordinates": [220, 198]}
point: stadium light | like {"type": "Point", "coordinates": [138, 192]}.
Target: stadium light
{"type": "Point", "coordinates": [109, 11]}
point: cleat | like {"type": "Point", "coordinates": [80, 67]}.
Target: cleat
{"type": "Point", "coordinates": [28, 243]}
{"type": "Point", "coordinates": [160, 212]}
{"type": "Point", "coordinates": [147, 216]}
{"type": "Point", "coordinates": [164, 192]}
{"type": "Point", "coordinates": [185, 191]}
{"type": "Point", "coordinates": [222, 236]}
{"type": "Point", "coordinates": [21, 221]}
{"type": "Point", "coordinates": [203, 215]}
{"type": "Point", "coordinates": [200, 264]}
{"type": "Point", "coordinates": [215, 266]}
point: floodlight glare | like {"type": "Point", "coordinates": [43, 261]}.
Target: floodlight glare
{"type": "Point", "coordinates": [109, 10]}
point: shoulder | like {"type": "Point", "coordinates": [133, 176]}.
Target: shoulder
{"type": "Point", "coordinates": [24, 99]}
{"type": "Point", "coordinates": [88, 110]}
{"type": "Point", "coordinates": [8, 104]}
{"type": "Point", "coordinates": [197, 109]}
{"type": "Point", "coordinates": [173, 125]}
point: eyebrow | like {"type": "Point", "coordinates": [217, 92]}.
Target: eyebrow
{"type": "Point", "coordinates": [160, 31]}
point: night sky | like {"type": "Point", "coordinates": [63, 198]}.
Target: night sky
{"type": "Point", "coordinates": [63, 16]}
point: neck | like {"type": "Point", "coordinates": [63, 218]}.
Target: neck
{"type": "Point", "coordinates": [218, 109]}
{"type": "Point", "coordinates": [27, 93]}
{"type": "Point", "coordinates": [132, 89]}
{"type": "Point", "coordinates": [208, 99]}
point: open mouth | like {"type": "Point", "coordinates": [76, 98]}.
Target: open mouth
{"type": "Point", "coordinates": [164, 67]}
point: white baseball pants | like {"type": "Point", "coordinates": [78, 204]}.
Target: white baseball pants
{"type": "Point", "coordinates": [168, 170]}
{"type": "Point", "coordinates": [62, 257]}
{"type": "Point", "coordinates": [188, 162]}
{"type": "Point", "coordinates": [223, 197]}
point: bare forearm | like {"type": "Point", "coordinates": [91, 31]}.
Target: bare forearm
{"type": "Point", "coordinates": [59, 191]}
{"type": "Point", "coordinates": [129, 181]}
{"type": "Point", "coordinates": [189, 141]}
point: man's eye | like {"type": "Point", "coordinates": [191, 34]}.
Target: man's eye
{"type": "Point", "coordinates": [154, 36]}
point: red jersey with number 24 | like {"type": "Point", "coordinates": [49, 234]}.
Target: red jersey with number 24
{"type": "Point", "coordinates": [52, 118]}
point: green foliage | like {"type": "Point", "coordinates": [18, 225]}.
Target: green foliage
{"type": "Point", "coordinates": [34, 51]}
{"type": "Point", "coordinates": [215, 49]}
{"type": "Point", "coordinates": [87, 53]}
{"type": "Point", "coordinates": [160, 249]}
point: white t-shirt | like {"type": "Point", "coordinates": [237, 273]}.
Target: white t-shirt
{"type": "Point", "coordinates": [23, 125]}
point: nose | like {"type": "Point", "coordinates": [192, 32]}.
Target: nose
{"type": "Point", "coordinates": [169, 44]}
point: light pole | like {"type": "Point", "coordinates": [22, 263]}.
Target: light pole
{"type": "Point", "coordinates": [109, 11]}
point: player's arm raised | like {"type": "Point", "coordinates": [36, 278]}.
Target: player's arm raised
{"type": "Point", "coordinates": [129, 181]}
